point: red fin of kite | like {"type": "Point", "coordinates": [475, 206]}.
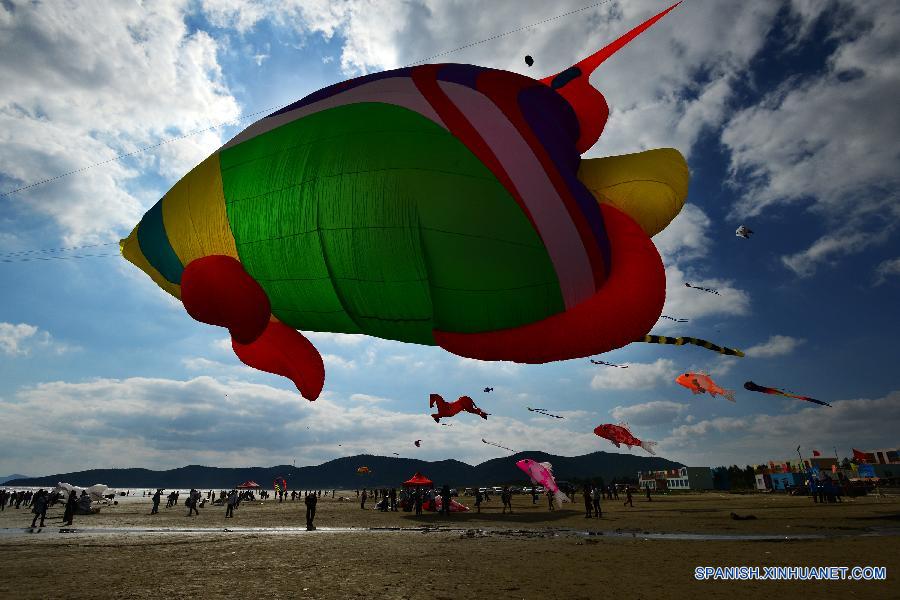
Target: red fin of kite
{"type": "Point", "coordinates": [284, 351]}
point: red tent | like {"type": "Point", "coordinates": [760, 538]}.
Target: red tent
{"type": "Point", "coordinates": [249, 485]}
{"type": "Point", "coordinates": [418, 480]}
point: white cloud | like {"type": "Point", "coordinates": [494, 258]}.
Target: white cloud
{"type": "Point", "coordinates": [686, 237]}
{"type": "Point", "coordinates": [886, 269]}
{"type": "Point", "coordinates": [93, 81]}
{"type": "Point", "coordinates": [758, 438]}
{"type": "Point", "coordinates": [776, 345]}
{"type": "Point", "coordinates": [21, 339]}
{"type": "Point", "coordinates": [687, 303]}
{"type": "Point", "coordinates": [649, 413]}
{"type": "Point", "coordinates": [638, 376]}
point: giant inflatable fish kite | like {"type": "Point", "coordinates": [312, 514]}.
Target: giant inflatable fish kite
{"type": "Point", "coordinates": [442, 204]}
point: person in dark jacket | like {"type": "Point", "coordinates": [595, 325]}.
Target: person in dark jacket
{"type": "Point", "coordinates": [587, 501]}
{"type": "Point", "coordinates": [39, 507]}
{"type": "Point", "coordinates": [71, 503]}
{"type": "Point", "coordinates": [445, 500]}
{"type": "Point", "coordinates": [311, 511]}
{"type": "Point", "coordinates": [156, 498]}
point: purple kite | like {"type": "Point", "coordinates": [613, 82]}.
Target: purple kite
{"type": "Point", "coordinates": [542, 474]}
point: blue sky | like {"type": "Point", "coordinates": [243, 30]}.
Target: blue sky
{"type": "Point", "coordinates": [786, 114]}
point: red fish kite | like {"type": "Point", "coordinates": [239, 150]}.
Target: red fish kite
{"type": "Point", "coordinates": [776, 392]}
{"type": "Point", "coordinates": [620, 434]}
{"type": "Point", "coordinates": [700, 383]}
{"type": "Point", "coordinates": [451, 409]}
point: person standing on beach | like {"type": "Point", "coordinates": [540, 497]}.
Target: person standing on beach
{"type": "Point", "coordinates": [156, 496]}
{"type": "Point", "coordinates": [192, 500]}
{"type": "Point", "coordinates": [598, 495]}
{"type": "Point", "coordinates": [311, 511]}
{"type": "Point", "coordinates": [69, 513]}
{"type": "Point", "coordinates": [445, 500]}
{"type": "Point", "coordinates": [506, 496]}
{"type": "Point", "coordinates": [649, 499]}
{"type": "Point", "coordinates": [628, 499]}
{"type": "Point", "coordinates": [393, 497]}
{"type": "Point", "coordinates": [418, 502]}
{"type": "Point", "coordinates": [363, 498]}
{"type": "Point", "coordinates": [230, 503]}
{"type": "Point", "coordinates": [478, 499]}
{"type": "Point", "coordinates": [550, 499]}
{"type": "Point", "coordinates": [587, 501]}
{"type": "Point", "coordinates": [39, 507]}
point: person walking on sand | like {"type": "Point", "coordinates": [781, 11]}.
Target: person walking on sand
{"type": "Point", "coordinates": [230, 503]}
{"type": "Point", "coordinates": [69, 513]}
{"type": "Point", "coordinates": [478, 500]}
{"type": "Point", "coordinates": [363, 498]}
{"type": "Point", "coordinates": [39, 507]}
{"type": "Point", "coordinates": [649, 499]}
{"type": "Point", "coordinates": [628, 500]}
{"type": "Point", "coordinates": [311, 511]}
{"type": "Point", "coordinates": [598, 495]}
{"type": "Point", "coordinates": [506, 497]}
{"type": "Point", "coordinates": [587, 501]}
{"type": "Point", "coordinates": [191, 501]}
{"type": "Point", "coordinates": [550, 500]}
{"type": "Point", "coordinates": [156, 497]}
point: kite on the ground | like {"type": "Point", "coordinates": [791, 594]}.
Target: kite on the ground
{"type": "Point", "coordinates": [703, 289]}
{"type": "Point", "coordinates": [680, 341]}
{"type": "Point", "coordinates": [542, 474]}
{"type": "Point", "coordinates": [451, 409]}
{"type": "Point", "coordinates": [418, 443]}
{"type": "Point", "coordinates": [673, 319]}
{"type": "Point", "coordinates": [608, 364]}
{"type": "Point", "coordinates": [620, 434]}
{"type": "Point", "coordinates": [775, 391]}
{"type": "Point", "coordinates": [543, 411]}
{"type": "Point", "coordinates": [528, 60]}
{"type": "Point", "coordinates": [498, 445]}
{"type": "Point", "coordinates": [743, 232]}
{"type": "Point", "coordinates": [488, 389]}
{"type": "Point", "coordinates": [699, 383]}
{"type": "Point", "coordinates": [491, 205]}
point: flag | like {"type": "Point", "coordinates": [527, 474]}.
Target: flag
{"type": "Point", "coordinates": [860, 456]}
{"type": "Point", "coordinates": [816, 453]}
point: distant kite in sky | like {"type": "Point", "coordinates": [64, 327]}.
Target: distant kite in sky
{"type": "Point", "coordinates": [542, 474]}
{"type": "Point", "coordinates": [776, 392]}
{"type": "Point", "coordinates": [743, 232]}
{"type": "Point", "coordinates": [673, 319]}
{"type": "Point", "coordinates": [419, 204]}
{"type": "Point", "coordinates": [528, 60]}
{"type": "Point", "coordinates": [620, 434]}
{"type": "Point", "coordinates": [363, 470]}
{"type": "Point", "coordinates": [699, 383]}
{"type": "Point", "coordinates": [702, 289]}
{"type": "Point", "coordinates": [680, 341]}
{"type": "Point", "coordinates": [608, 364]}
{"type": "Point", "coordinates": [418, 443]}
{"type": "Point", "coordinates": [488, 389]}
{"type": "Point", "coordinates": [497, 445]}
{"type": "Point", "coordinates": [451, 409]}
{"type": "Point", "coordinates": [543, 411]}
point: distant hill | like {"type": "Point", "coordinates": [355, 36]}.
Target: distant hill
{"type": "Point", "coordinates": [5, 478]}
{"type": "Point", "coordinates": [340, 473]}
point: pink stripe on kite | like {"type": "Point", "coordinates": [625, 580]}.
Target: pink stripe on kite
{"type": "Point", "coordinates": [532, 185]}
{"type": "Point", "coordinates": [399, 91]}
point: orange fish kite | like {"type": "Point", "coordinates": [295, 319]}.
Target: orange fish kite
{"type": "Point", "coordinates": [699, 383]}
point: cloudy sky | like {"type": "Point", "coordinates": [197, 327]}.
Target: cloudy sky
{"type": "Point", "coordinates": [786, 112]}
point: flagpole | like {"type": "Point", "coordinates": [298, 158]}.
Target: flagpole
{"type": "Point", "coordinates": [802, 470]}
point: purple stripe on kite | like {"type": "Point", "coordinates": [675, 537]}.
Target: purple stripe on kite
{"type": "Point", "coordinates": [466, 75]}
{"type": "Point", "coordinates": [548, 121]}
{"type": "Point", "coordinates": [337, 88]}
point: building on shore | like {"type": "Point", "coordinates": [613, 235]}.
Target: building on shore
{"type": "Point", "coordinates": [681, 479]}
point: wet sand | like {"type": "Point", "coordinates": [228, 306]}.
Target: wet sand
{"type": "Point", "coordinates": [530, 554]}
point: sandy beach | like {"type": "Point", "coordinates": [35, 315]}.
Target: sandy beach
{"type": "Point", "coordinates": [648, 551]}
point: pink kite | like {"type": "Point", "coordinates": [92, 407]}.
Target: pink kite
{"type": "Point", "coordinates": [454, 505]}
{"type": "Point", "coordinates": [451, 409]}
{"type": "Point", "coordinates": [542, 474]}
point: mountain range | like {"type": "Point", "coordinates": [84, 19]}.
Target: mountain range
{"type": "Point", "coordinates": [5, 478]}
{"type": "Point", "coordinates": [341, 473]}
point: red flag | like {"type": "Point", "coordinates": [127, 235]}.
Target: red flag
{"type": "Point", "coordinates": [816, 453]}
{"type": "Point", "coordinates": [860, 456]}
